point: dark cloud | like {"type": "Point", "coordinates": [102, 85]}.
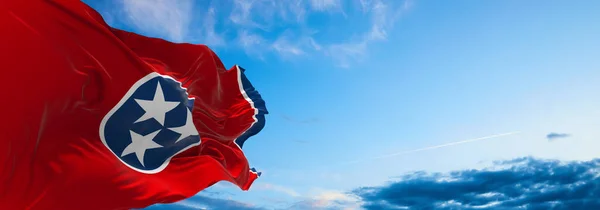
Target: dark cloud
{"type": "Point", "coordinates": [554, 136]}
{"type": "Point", "coordinates": [523, 183]}
{"type": "Point", "coordinates": [527, 183]}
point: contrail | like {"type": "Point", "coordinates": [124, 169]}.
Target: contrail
{"type": "Point", "coordinates": [434, 147]}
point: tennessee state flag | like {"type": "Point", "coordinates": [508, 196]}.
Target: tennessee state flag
{"type": "Point", "coordinates": [94, 117]}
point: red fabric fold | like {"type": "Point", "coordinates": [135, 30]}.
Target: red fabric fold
{"type": "Point", "coordinates": [64, 69]}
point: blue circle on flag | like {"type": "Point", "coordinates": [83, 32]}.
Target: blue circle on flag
{"type": "Point", "coordinates": [151, 124]}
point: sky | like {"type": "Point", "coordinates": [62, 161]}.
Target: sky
{"type": "Point", "coordinates": [403, 104]}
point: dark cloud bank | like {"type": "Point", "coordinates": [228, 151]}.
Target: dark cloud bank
{"type": "Point", "coordinates": [524, 183]}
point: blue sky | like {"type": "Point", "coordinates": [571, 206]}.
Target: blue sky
{"type": "Point", "coordinates": [357, 89]}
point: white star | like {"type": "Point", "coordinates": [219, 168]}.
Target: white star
{"type": "Point", "coordinates": [188, 129]}
{"type": "Point", "coordinates": [139, 145]}
{"type": "Point", "coordinates": [156, 108]}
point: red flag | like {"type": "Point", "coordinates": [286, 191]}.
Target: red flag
{"type": "Point", "coordinates": [98, 118]}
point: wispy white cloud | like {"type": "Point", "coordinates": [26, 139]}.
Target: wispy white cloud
{"type": "Point", "coordinates": [324, 5]}
{"type": "Point", "coordinates": [346, 53]}
{"type": "Point", "coordinates": [242, 14]}
{"type": "Point", "coordinates": [178, 21]}
{"type": "Point", "coordinates": [284, 46]}
{"type": "Point", "coordinates": [276, 188]}
{"type": "Point", "coordinates": [252, 43]}
{"type": "Point", "coordinates": [383, 15]}
{"type": "Point", "coordinates": [328, 199]}
{"type": "Point", "coordinates": [259, 27]}
{"type": "Point", "coordinates": [381, 21]}
{"type": "Point", "coordinates": [211, 37]}
{"type": "Point", "coordinates": [314, 44]}
{"type": "Point", "coordinates": [297, 10]}
{"type": "Point", "coordinates": [170, 19]}
{"type": "Point", "coordinates": [435, 147]}
{"type": "Point", "coordinates": [291, 44]}
{"type": "Point", "coordinates": [325, 197]}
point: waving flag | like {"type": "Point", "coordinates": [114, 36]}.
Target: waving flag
{"type": "Point", "coordinates": [99, 118]}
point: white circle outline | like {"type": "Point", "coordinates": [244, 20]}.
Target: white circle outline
{"type": "Point", "coordinates": [126, 97]}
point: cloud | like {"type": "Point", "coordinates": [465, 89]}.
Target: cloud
{"type": "Point", "coordinates": [284, 46]}
{"type": "Point", "coordinates": [275, 188]}
{"type": "Point", "coordinates": [383, 16]}
{"type": "Point", "coordinates": [252, 43]}
{"type": "Point", "coordinates": [242, 14]}
{"type": "Point", "coordinates": [191, 205]}
{"type": "Point", "coordinates": [329, 200]}
{"type": "Point", "coordinates": [555, 136]}
{"type": "Point", "coordinates": [521, 183]}
{"type": "Point", "coordinates": [324, 5]}
{"type": "Point", "coordinates": [321, 200]}
{"type": "Point", "coordinates": [169, 19]}
{"type": "Point", "coordinates": [434, 147]}
{"type": "Point", "coordinates": [225, 204]}
{"type": "Point", "coordinates": [292, 44]}
{"type": "Point", "coordinates": [203, 202]}
{"type": "Point", "coordinates": [347, 53]}
{"type": "Point", "coordinates": [287, 29]}
{"type": "Point", "coordinates": [210, 36]}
